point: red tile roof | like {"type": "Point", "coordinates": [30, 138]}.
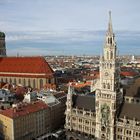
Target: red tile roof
{"type": "Point", "coordinates": [24, 109]}
{"type": "Point", "coordinates": [127, 73]}
{"type": "Point", "coordinates": [28, 66]}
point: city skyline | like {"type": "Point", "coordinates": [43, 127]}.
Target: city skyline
{"type": "Point", "coordinates": [68, 27]}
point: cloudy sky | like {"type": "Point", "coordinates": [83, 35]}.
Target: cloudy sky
{"type": "Point", "coordinates": [60, 23]}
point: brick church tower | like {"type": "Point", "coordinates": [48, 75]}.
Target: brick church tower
{"type": "Point", "coordinates": [2, 45]}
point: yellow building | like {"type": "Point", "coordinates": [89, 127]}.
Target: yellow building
{"type": "Point", "coordinates": [24, 121]}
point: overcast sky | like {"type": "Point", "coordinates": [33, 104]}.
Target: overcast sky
{"type": "Point", "coordinates": [58, 15]}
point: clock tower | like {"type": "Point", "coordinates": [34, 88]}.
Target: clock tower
{"type": "Point", "coordinates": [108, 93]}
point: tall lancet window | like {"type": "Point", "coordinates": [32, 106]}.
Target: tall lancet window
{"type": "Point", "coordinates": [107, 55]}
{"type": "Point", "coordinates": [111, 55]}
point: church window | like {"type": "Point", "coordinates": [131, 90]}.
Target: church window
{"type": "Point", "coordinates": [15, 81]}
{"type": "Point", "coordinates": [111, 55]}
{"type": "Point", "coordinates": [137, 100]}
{"type": "Point", "coordinates": [110, 65]}
{"type": "Point", "coordinates": [110, 40]}
{"type": "Point", "coordinates": [107, 55]}
{"type": "Point", "coordinates": [1, 79]}
{"type": "Point", "coordinates": [28, 82]}
{"type": "Point", "coordinates": [108, 86]}
{"type": "Point", "coordinates": [10, 80]}
{"type": "Point", "coordinates": [41, 83]}
{"type": "Point", "coordinates": [74, 118]}
{"type": "Point", "coordinates": [87, 122]}
{"type": "Point", "coordinates": [103, 128]}
{"type": "Point", "coordinates": [80, 120]}
{"type": "Point", "coordinates": [103, 85]}
{"type": "Point", "coordinates": [24, 82]}
{"type": "Point", "coordinates": [33, 83]}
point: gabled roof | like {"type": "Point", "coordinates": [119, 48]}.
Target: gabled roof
{"type": "Point", "coordinates": [84, 102]}
{"type": "Point", "coordinates": [28, 66]}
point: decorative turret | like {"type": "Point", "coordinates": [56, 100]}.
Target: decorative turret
{"type": "Point", "coordinates": [69, 97]}
{"type": "Point", "coordinates": [69, 104]}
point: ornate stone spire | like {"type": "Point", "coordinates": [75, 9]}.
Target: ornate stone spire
{"type": "Point", "coordinates": [110, 29]}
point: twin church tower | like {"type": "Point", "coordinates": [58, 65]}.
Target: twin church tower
{"type": "Point", "coordinates": [94, 117]}
{"type": "Point", "coordinates": [2, 45]}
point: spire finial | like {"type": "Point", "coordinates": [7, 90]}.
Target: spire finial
{"type": "Point", "coordinates": [110, 29]}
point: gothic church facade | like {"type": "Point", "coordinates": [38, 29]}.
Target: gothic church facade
{"type": "Point", "coordinates": [104, 116]}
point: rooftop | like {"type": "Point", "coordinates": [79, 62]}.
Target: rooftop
{"type": "Point", "coordinates": [130, 110]}
{"type": "Point", "coordinates": [134, 89]}
{"type": "Point", "coordinates": [25, 66]}
{"type": "Point", "coordinates": [24, 109]}
{"type": "Point", "coordinates": [86, 102]}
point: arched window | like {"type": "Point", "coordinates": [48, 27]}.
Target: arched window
{"type": "Point", "coordinates": [111, 55]}
{"type": "Point", "coordinates": [103, 85]}
{"type": "Point", "coordinates": [28, 82]}
{"type": "Point", "coordinates": [19, 81]}
{"type": "Point", "coordinates": [107, 55]}
{"type": "Point", "coordinates": [10, 80]}
{"type": "Point", "coordinates": [110, 40]}
{"type": "Point", "coordinates": [15, 81]}
{"type": "Point", "coordinates": [24, 82]}
{"type": "Point", "coordinates": [1, 79]}
{"type": "Point", "coordinates": [33, 83]}
{"type": "Point", "coordinates": [108, 86]}
{"type": "Point", "coordinates": [41, 83]}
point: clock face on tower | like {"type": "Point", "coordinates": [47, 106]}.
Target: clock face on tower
{"type": "Point", "coordinates": [106, 74]}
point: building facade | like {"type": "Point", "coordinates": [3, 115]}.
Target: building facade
{"type": "Point", "coordinates": [27, 71]}
{"type": "Point", "coordinates": [104, 116]}
{"type": "Point", "coordinates": [24, 121]}
{"type": "Point", "coordinates": [2, 45]}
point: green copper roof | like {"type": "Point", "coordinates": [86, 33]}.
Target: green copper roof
{"type": "Point", "coordinates": [2, 34]}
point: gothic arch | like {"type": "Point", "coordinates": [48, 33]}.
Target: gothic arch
{"type": "Point", "coordinates": [15, 81]}
{"type": "Point", "coordinates": [108, 86]}
{"type": "Point", "coordinates": [19, 81]}
{"type": "Point", "coordinates": [111, 55]}
{"type": "Point", "coordinates": [1, 79]}
{"type": "Point", "coordinates": [10, 81]}
{"type": "Point", "coordinates": [41, 83]}
{"type": "Point", "coordinates": [29, 82]}
{"type": "Point", "coordinates": [103, 85]}
{"type": "Point", "coordinates": [107, 55]}
{"type": "Point", "coordinates": [110, 40]}
{"type": "Point", "coordinates": [33, 83]}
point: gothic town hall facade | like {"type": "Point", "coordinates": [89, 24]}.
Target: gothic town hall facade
{"type": "Point", "coordinates": [109, 115]}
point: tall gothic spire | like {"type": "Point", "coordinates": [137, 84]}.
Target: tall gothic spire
{"type": "Point", "coordinates": [110, 29]}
